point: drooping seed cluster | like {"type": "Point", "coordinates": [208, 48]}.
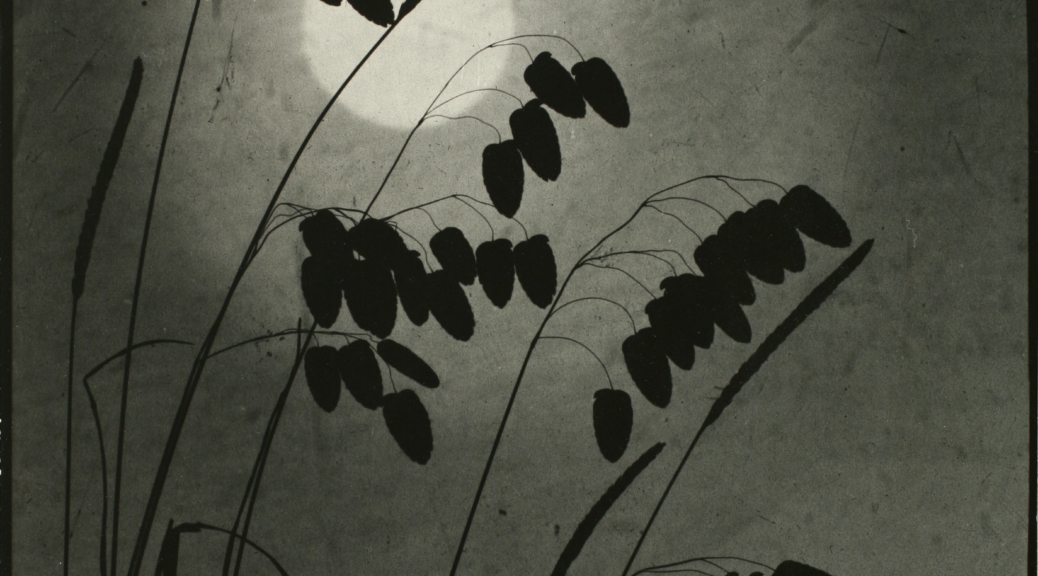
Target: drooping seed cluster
{"type": "Point", "coordinates": [762, 242]}
{"type": "Point", "coordinates": [377, 11]}
{"type": "Point", "coordinates": [534, 138]}
{"type": "Point", "coordinates": [371, 268]}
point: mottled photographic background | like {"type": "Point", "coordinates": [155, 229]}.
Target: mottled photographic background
{"type": "Point", "coordinates": [886, 436]}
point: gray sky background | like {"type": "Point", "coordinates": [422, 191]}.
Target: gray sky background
{"type": "Point", "coordinates": [887, 435]}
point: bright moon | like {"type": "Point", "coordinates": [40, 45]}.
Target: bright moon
{"type": "Point", "coordinates": [399, 81]}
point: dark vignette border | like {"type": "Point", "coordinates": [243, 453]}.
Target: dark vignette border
{"type": "Point", "coordinates": [1032, 284]}
{"type": "Point", "coordinates": [6, 303]}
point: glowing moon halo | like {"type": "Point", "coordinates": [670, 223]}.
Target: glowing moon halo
{"type": "Point", "coordinates": [399, 81]}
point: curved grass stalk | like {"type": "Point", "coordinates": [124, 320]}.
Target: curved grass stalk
{"type": "Point", "coordinates": [201, 358]}
{"type": "Point", "coordinates": [252, 491]}
{"type": "Point", "coordinates": [91, 221]}
{"type": "Point", "coordinates": [582, 261]}
{"type": "Point", "coordinates": [752, 364]}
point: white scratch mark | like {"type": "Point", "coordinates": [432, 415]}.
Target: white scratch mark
{"type": "Point", "coordinates": [908, 225]}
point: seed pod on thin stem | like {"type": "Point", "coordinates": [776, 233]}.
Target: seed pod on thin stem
{"type": "Point", "coordinates": [535, 268]}
{"type": "Point", "coordinates": [324, 235]}
{"type": "Point", "coordinates": [403, 360]}
{"type": "Point", "coordinates": [603, 91]}
{"type": "Point", "coordinates": [378, 11]}
{"type": "Point", "coordinates": [320, 365]}
{"type": "Point", "coordinates": [378, 241]}
{"type": "Point", "coordinates": [503, 176]}
{"type": "Point", "coordinates": [815, 217]}
{"type": "Point", "coordinates": [753, 242]}
{"type": "Point", "coordinates": [784, 244]}
{"type": "Point", "coordinates": [647, 364]}
{"type": "Point", "coordinates": [791, 568]}
{"type": "Point", "coordinates": [496, 268]}
{"type": "Point", "coordinates": [535, 135]}
{"type": "Point", "coordinates": [409, 274]}
{"type": "Point", "coordinates": [677, 337]}
{"type": "Point", "coordinates": [720, 261]}
{"type": "Point", "coordinates": [727, 313]}
{"type": "Point", "coordinates": [371, 296]}
{"type": "Point", "coordinates": [691, 307]}
{"type": "Point", "coordinates": [321, 280]}
{"type": "Point", "coordinates": [449, 305]}
{"type": "Point", "coordinates": [409, 424]}
{"type": "Point", "coordinates": [613, 419]}
{"type": "Point", "coordinates": [554, 86]}
{"type": "Point", "coordinates": [360, 373]}
{"type": "Point", "coordinates": [454, 253]}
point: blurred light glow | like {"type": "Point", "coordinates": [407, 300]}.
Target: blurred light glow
{"type": "Point", "coordinates": [400, 80]}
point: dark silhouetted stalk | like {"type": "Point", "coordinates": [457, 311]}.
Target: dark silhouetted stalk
{"type": "Point", "coordinates": [754, 363]}
{"type": "Point", "coordinates": [138, 280]}
{"type": "Point", "coordinates": [199, 526]}
{"type": "Point", "coordinates": [252, 487]}
{"type": "Point", "coordinates": [664, 568]}
{"type": "Point", "coordinates": [598, 511]}
{"type": "Point", "coordinates": [92, 219]}
{"type": "Point", "coordinates": [203, 355]}
{"type": "Point", "coordinates": [584, 260]}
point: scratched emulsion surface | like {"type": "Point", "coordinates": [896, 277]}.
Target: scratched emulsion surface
{"type": "Point", "coordinates": [886, 436]}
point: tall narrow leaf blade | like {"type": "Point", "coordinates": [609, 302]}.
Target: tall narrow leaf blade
{"type": "Point", "coordinates": [169, 552]}
{"type": "Point", "coordinates": [104, 177]}
{"type": "Point", "coordinates": [587, 526]}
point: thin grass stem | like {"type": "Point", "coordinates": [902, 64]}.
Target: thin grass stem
{"type": "Point", "coordinates": [268, 442]}
{"type": "Point", "coordinates": [634, 328]}
{"type": "Point", "coordinates": [585, 347]}
{"type": "Point", "coordinates": [198, 366]}
{"type": "Point", "coordinates": [752, 364]}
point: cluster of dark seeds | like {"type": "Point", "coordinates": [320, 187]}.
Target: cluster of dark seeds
{"type": "Point", "coordinates": [355, 366]}
{"type": "Point", "coordinates": [377, 11]}
{"type": "Point", "coordinates": [534, 138]}
{"type": "Point", "coordinates": [762, 242]}
{"type": "Point", "coordinates": [793, 568]}
{"type": "Point", "coordinates": [371, 267]}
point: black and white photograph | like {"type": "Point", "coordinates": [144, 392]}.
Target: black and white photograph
{"type": "Point", "coordinates": [496, 287]}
